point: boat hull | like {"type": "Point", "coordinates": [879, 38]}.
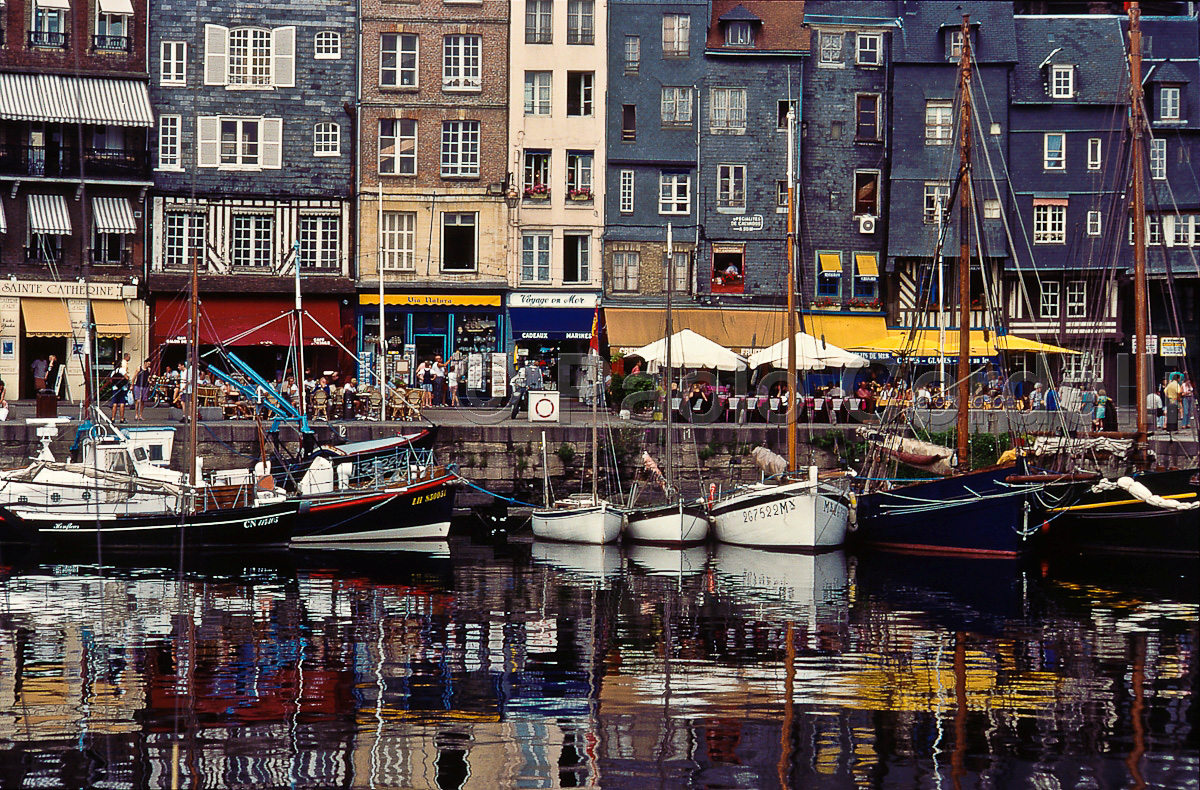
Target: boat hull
{"type": "Point", "coordinates": [599, 523]}
{"type": "Point", "coordinates": [268, 525]}
{"type": "Point", "coordinates": [970, 514]}
{"type": "Point", "coordinates": [793, 516]}
{"type": "Point", "coordinates": [1116, 522]}
{"type": "Point", "coordinates": [421, 511]}
{"type": "Point", "coordinates": [674, 524]}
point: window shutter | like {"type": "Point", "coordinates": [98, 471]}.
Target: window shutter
{"type": "Point", "coordinates": [272, 143]}
{"type": "Point", "coordinates": [283, 56]}
{"type": "Point", "coordinates": [209, 127]}
{"type": "Point", "coordinates": [216, 55]}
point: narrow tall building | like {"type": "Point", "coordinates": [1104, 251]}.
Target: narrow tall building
{"type": "Point", "coordinates": [74, 120]}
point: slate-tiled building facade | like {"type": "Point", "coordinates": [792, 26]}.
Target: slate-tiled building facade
{"type": "Point", "coordinates": [74, 119]}
{"type": "Point", "coordinates": [253, 161]}
{"type": "Point", "coordinates": [656, 67]}
{"type": "Point", "coordinates": [755, 54]}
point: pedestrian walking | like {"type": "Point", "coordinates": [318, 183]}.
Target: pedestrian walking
{"type": "Point", "coordinates": [452, 383]}
{"type": "Point", "coordinates": [120, 388]}
{"type": "Point", "coordinates": [438, 371]}
{"type": "Point", "coordinates": [39, 367]}
{"type": "Point", "coordinates": [141, 391]}
{"type": "Point", "coordinates": [1189, 402]}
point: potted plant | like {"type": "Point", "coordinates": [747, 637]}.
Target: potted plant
{"type": "Point", "coordinates": [825, 303]}
{"type": "Point", "coordinates": [580, 194]}
{"type": "Point", "coordinates": [537, 192]}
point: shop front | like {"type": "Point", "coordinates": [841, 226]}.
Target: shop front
{"type": "Point", "coordinates": [467, 327]}
{"type": "Point", "coordinates": [44, 319]}
{"type": "Point", "coordinates": [549, 326]}
{"type": "Point", "coordinates": [262, 330]}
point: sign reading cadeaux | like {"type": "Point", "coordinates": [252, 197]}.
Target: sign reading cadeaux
{"type": "Point", "coordinates": [538, 299]}
{"type": "Point", "coordinates": [1172, 346]}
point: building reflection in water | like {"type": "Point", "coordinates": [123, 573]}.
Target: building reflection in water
{"type": "Point", "coordinates": [538, 665]}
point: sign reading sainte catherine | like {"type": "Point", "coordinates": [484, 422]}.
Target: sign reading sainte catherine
{"type": "Point", "coordinates": [37, 288]}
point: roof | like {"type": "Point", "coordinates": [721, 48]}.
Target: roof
{"type": "Point", "coordinates": [782, 29]}
{"type": "Point", "coordinates": [1094, 45]}
{"type": "Point", "coordinates": [922, 36]}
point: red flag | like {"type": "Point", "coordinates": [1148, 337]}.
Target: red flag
{"type": "Point", "coordinates": [594, 346]}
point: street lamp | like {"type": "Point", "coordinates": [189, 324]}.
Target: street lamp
{"type": "Point", "coordinates": [511, 198]}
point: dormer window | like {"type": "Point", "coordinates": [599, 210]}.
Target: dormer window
{"type": "Point", "coordinates": [1062, 82]}
{"type": "Point", "coordinates": [739, 34]}
{"type": "Point", "coordinates": [955, 43]}
{"type": "Point", "coordinates": [869, 49]}
{"type": "Point", "coordinates": [831, 49]}
{"type": "Point", "coordinates": [954, 40]}
{"type": "Point", "coordinates": [1168, 103]}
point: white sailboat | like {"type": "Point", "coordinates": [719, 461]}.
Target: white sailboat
{"type": "Point", "coordinates": [677, 522]}
{"type": "Point", "coordinates": [582, 517]}
{"type": "Point", "coordinates": [786, 513]}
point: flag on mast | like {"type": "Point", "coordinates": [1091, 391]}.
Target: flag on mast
{"type": "Point", "coordinates": [594, 345]}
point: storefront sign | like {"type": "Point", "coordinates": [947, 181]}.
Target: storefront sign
{"type": "Point", "coordinates": [536, 299]}
{"type": "Point", "coordinates": [1172, 346]}
{"type": "Point", "coordinates": [34, 288]}
{"type": "Point", "coordinates": [475, 372]}
{"type": "Point", "coordinates": [1151, 344]}
{"type": "Point", "coordinates": [746, 223]}
{"type": "Point", "coordinates": [433, 300]}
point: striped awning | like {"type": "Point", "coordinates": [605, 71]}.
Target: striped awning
{"type": "Point", "coordinates": [48, 214]}
{"type": "Point", "coordinates": [112, 215]}
{"type": "Point", "coordinates": [66, 99]}
{"type": "Point", "coordinates": [3, 219]}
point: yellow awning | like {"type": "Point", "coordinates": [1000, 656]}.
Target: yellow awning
{"type": "Point", "coordinates": [830, 262]}
{"type": "Point", "coordinates": [46, 318]}
{"type": "Point", "coordinates": [1015, 343]}
{"type": "Point", "coordinates": [433, 300]}
{"type": "Point", "coordinates": [867, 264]}
{"type": "Point", "coordinates": [743, 331]}
{"type": "Point", "coordinates": [110, 318]}
{"type": "Point", "coordinates": [857, 333]}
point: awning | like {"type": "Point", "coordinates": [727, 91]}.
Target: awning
{"type": "Point", "coordinates": [258, 321]}
{"type": "Point", "coordinates": [867, 264]}
{"type": "Point", "coordinates": [48, 214]}
{"type": "Point", "coordinates": [433, 300]}
{"type": "Point", "coordinates": [46, 318]}
{"type": "Point", "coordinates": [116, 7]}
{"type": "Point", "coordinates": [110, 318]}
{"type": "Point", "coordinates": [60, 98]}
{"type": "Point", "coordinates": [551, 323]}
{"type": "Point", "coordinates": [3, 219]}
{"type": "Point", "coordinates": [62, 5]}
{"type": "Point", "coordinates": [743, 331]}
{"type": "Point", "coordinates": [866, 335]}
{"type": "Point", "coordinates": [871, 337]}
{"type": "Point", "coordinates": [830, 262]}
{"type": "Point", "coordinates": [112, 215]}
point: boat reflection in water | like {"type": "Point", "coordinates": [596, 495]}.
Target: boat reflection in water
{"type": "Point", "coordinates": [552, 665]}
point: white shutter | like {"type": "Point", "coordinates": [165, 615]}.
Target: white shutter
{"type": "Point", "coordinates": [283, 57]}
{"type": "Point", "coordinates": [216, 55]}
{"type": "Point", "coordinates": [209, 132]}
{"type": "Point", "coordinates": [272, 143]}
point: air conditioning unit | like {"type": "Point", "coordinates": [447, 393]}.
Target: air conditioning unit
{"type": "Point", "coordinates": [866, 224]}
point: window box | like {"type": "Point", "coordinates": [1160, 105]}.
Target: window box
{"type": "Point", "coordinates": [864, 305]}
{"type": "Point", "coordinates": [580, 195]}
{"type": "Point", "coordinates": [826, 303]}
{"type": "Point", "coordinates": [537, 192]}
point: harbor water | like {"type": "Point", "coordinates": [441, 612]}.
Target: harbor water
{"type": "Point", "coordinates": [520, 664]}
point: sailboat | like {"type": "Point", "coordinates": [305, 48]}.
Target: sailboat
{"type": "Point", "coordinates": [677, 522]}
{"type": "Point", "coordinates": [973, 512]}
{"type": "Point", "coordinates": [583, 517]}
{"type": "Point", "coordinates": [784, 512]}
{"type": "Point", "coordinates": [1146, 510]}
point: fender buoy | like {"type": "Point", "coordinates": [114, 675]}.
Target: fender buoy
{"type": "Point", "coordinates": [712, 493]}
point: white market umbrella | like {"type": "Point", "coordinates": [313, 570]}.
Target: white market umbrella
{"type": "Point", "coordinates": [690, 350]}
{"type": "Point", "coordinates": [811, 354]}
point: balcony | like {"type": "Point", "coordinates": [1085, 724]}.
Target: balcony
{"type": "Point", "coordinates": [48, 161]}
{"type": "Point", "coordinates": [110, 43]}
{"type": "Point", "coordinates": [41, 255]}
{"type": "Point", "coordinates": [44, 38]}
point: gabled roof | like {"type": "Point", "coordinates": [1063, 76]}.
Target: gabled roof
{"type": "Point", "coordinates": [739, 14]}
{"type": "Point", "coordinates": [1092, 44]}
{"type": "Point", "coordinates": [1169, 71]}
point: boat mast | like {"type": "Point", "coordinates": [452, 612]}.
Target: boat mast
{"type": "Point", "coordinates": [670, 445]}
{"type": "Point", "coordinates": [964, 251]}
{"type": "Point", "coordinates": [299, 337]}
{"type": "Point", "coordinates": [193, 373]}
{"type": "Point", "coordinates": [791, 288]}
{"type": "Point", "coordinates": [1140, 296]}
